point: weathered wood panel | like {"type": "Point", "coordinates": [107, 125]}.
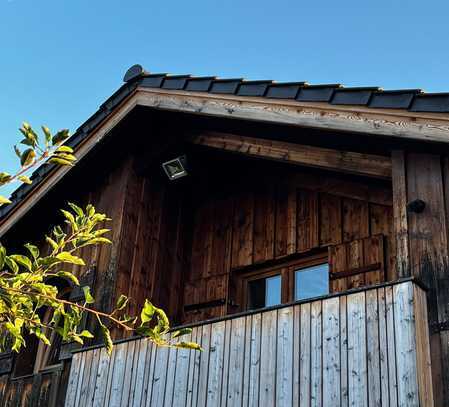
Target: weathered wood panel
{"type": "Point", "coordinates": [276, 216]}
{"type": "Point", "coordinates": [39, 390]}
{"type": "Point", "coordinates": [358, 349]}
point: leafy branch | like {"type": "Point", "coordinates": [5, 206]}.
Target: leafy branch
{"type": "Point", "coordinates": [49, 150]}
{"type": "Point", "coordinates": [27, 281]}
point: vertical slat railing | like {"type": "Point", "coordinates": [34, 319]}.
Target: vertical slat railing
{"type": "Point", "coordinates": [358, 348]}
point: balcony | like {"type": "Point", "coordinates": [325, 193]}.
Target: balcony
{"type": "Point", "coordinates": [367, 347]}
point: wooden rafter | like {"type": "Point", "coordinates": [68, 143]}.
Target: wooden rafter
{"type": "Point", "coordinates": [349, 162]}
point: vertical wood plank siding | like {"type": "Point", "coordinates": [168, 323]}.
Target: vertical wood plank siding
{"type": "Point", "coordinates": [271, 217]}
{"type": "Point", "coordinates": [357, 349]}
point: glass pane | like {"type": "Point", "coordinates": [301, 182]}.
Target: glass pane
{"type": "Point", "coordinates": [312, 281]}
{"type": "Point", "coordinates": [264, 292]}
{"type": "Point", "coordinates": [256, 294]}
{"type": "Point", "coordinates": [273, 291]}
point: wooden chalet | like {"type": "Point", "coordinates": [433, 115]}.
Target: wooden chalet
{"type": "Point", "coordinates": [301, 230]}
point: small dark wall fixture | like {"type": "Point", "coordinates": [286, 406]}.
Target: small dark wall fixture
{"type": "Point", "coordinates": [416, 206]}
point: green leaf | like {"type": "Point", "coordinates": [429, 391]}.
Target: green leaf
{"type": "Point", "coordinates": [27, 157]}
{"type": "Point", "coordinates": [64, 149]}
{"type": "Point", "coordinates": [22, 260]}
{"type": "Point", "coordinates": [144, 331]}
{"type": "Point", "coordinates": [25, 180]}
{"type": "Point", "coordinates": [122, 302]}
{"type": "Point", "coordinates": [66, 257]}
{"type": "Point", "coordinates": [100, 240]}
{"type": "Point", "coordinates": [28, 142]}
{"type": "Point", "coordinates": [163, 324]}
{"type": "Point", "coordinates": [48, 261]}
{"type": "Point", "coordinates": [76, 209]}
{"type": "Point", "coordinates": [87, 295]}
{"type": "Point", "coordinates": [68, 216]}
{"type": "Point", "coordinates": [189, 345]}
{"type": "Point", "coordinates": [59, 161]}
{"type": "Point", "coordinates": [66, 156]}
{"type": "Point", "coordinates": [76, 338]}
{"type": "Point", "coordinates": [2, 257]}
{"type": "Point", "coordinates": [4, 178]}
{"type": "Point", "coordinates": [47, 134]}
{"type": "Point", "coordinates": [147, 313]}
{"type": "Point", "coordinates": [60, 136]}
{"type": "Point", "coordinates": [52, 243]}
{"type": "Point", "coordinates": [4, 201]}
{"type": "Point", "coordinates": [18, 152]}
{"type": "Point", "coordinates": [107, 339]}
{"type": "Point", "coordinates": [34, 251]}
{"type": "Point", "coordinates": [12, 265]}
{"type": "Point", "coordinates": [86, 334]}
{"type": "Point", "coordinates": [40, 335]}
{"type": "Point", "coordinates": [182, 332]}
{"type": "Point", "coordinates": [69, 276]}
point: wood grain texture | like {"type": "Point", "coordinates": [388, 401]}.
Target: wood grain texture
{"type": "Point", "coordinates": [408, 125]}
{"type": "Point", "coordinates": [350, 162]}
{"type": "Point", "coordinates": [400, 224]}
{"type": "Point", "coordinates": [368, 348]}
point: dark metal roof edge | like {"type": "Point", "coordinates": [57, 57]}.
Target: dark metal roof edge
{"type": "Point", "coordinates": [396, 91]}
{"type": "Point", "coordinates": [203, 78]}
{"type": "Point", "coordinates": [256, 82]}
{"type": "Point", "coordinates": [358, 89]}
{"type": "Point", "coordinates": [280, 84]}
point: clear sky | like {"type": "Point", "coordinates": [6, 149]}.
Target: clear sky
{"type": "Point", "coordinates": [59, 60]}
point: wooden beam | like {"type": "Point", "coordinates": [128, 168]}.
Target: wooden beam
{"type": "Point", "coordinates": [400, 222]}
{"type": "Point", "coordinates": [318, 157]}
{"type": "Point", "coordinates": [370, 122]}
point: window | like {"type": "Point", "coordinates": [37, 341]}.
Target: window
{"type": "Point", "coordinates": [287, 282]}
{"type": "Point", "coordinates": [312, 281]}
{"type": "Point", "coordinates": [264, 292]}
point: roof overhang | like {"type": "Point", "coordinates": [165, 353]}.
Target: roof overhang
{"type": "Point", "coordinates": [431, 127]}
{"type": "Point", "coordinates": [398, 124]}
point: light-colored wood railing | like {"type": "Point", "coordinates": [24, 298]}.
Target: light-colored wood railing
{"type": "Point", "coordinates": [366, 348]}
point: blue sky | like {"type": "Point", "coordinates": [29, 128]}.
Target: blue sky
{"type": "Point", "coordinates": [60, 59]}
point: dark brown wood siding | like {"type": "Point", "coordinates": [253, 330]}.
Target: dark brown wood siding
{"type": "Point", "coordinates": [270, 218]}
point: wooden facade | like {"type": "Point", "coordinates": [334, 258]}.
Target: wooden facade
{"type": "Point", "coordinates": [365, 348]}
{"type": "Point", "coordinates": [265, 195]}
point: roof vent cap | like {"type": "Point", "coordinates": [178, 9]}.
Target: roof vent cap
{"type": "Point", "coordinates": [134, 72]}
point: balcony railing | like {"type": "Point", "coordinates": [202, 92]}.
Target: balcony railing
{"type": "Point", "coordinates": [362, 348]}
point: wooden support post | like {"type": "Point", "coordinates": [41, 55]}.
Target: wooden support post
{"type": "Point", "coordinates": [428, 254]}
{"type": "Point", "coordinates": [400, 225]}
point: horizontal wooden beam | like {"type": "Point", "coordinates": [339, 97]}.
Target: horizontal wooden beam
{"type": "Point", "coordinates": [359, 119]}
{"type": "Point", "coordinates": [310, 156]}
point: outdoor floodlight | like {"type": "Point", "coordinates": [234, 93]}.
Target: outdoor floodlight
{"type": "Point", "coordinates": [176, 168]}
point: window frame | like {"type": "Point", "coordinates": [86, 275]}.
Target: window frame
{"type": "Point", "coordinates": [285, 269]}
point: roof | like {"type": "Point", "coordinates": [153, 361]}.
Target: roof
{"type": "Point", "coordinates": [411, 100]}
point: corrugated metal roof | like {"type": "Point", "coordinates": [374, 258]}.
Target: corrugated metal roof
{"type": "Point", "coordinates": [413, 100]}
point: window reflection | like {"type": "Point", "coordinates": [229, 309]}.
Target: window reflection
{"type": "Point", "coordinates": [264, 292]}
{"type": "Point", "coordinates": [312, 282]}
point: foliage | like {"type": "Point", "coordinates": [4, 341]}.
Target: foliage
{"type": "Point", "coordinates": [27, 280]}
{"type": "Point", "coordinates": [48, 149]}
